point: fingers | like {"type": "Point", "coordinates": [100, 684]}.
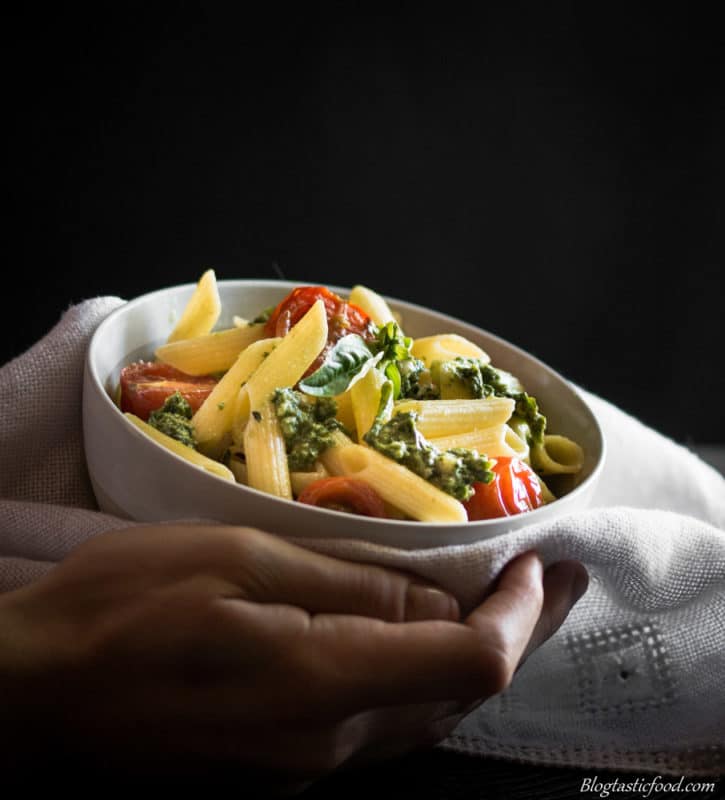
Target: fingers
{"type": "Point", "coordinates": [564, 583]}
{"type": "Point", "coordinates": [261, 567]}
{"type": "Point", "coordinates": [348, 615]}
{"type": "Point", "coordinates": [267, 569]}
{"type": "Point", "coordinates": [508, 616]}
{"type": "Point", "coordinates": [384, 663]}
{"type": "Point", "coordinates": [272, 570]}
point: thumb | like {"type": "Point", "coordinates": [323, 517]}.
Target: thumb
{"type": "Point", "coordinates": [565, 582]}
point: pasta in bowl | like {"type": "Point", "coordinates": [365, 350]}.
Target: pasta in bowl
{"type": "Point", "coordinates": [324, 412]}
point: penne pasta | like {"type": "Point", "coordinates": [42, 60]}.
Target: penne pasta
{"type": "Point", "coordinates": [546, 494]}
{"type": "Point", "coordinates": [517, 444]}
{"type": "Point", "coordinates": [365, 401]}
{"type": "Point", "coordinates": [187, 453]}
{"type": "Point", "coordinates": [372, 304]}
{"type": "Point", "coordinates": [201, 312]}
{"type": "Point", "coordinates": [285, 365]}
{"type": "Point", "coordinates": [558, 455]}
{"type": "Point", "coordinates": [238, 468]}
{"type": "Point", "coordinates": [266, 453]}
{"type": "Point", "coordinates": [301, 480]}
{"type": "Point", "coordinates": [345, 409]}
{"type": "Point", "coordinates": [212, 352]}
{"type": "Point", "coordinates": [425, 424]}
{"type": "Point", "coordinates": [446, 347]}
{"type": "Point", "coordinates": [213, 421]}
{"type": "Point", "coordinates": [490, 441]}
{"type": "Point", "coordinates": [394, 483]}
{"type": "Point", "coordinates": [438, 418]}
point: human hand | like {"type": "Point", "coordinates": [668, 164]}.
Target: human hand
{"type": "Point", "coordinates": [180, 648]}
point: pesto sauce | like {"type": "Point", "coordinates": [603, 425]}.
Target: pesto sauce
{"type": "Point", "coordinates": [416, 381]}
{"type": "Point", "coordinates": [479, 380]}
{"type": "Point", "coordinates": [263, 316]}
{"type": "Point", "coordinates": [459, 379]}
{"type": "Point", "coordinates": [174, 419]}
{"type": "Point", "coordinates": [307, 426]}
{"type": "Point", "coordinates": [453, 471]}
{"type": "Point", "coordinates": [527, 410]}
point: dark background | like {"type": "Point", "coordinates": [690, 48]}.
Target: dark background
{"type": "Point", "coordinates": [552, 176]}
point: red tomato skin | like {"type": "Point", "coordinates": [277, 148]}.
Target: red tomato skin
{"type": "Point", "coordinates": [344, 494]}
{"type": "Point", "coordinates": [297, 303]}
{"type": "Point", "coordinates": [342, 317]}
{"type": "Point", "coordinates": [145, 386]}
{"type": "Point", "coordinates": [514, 490]}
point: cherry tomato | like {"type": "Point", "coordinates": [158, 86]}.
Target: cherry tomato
{"type": "Point", "coordinates": [514, 489]}
{"type": "Point", "coordinates": [145, 385]}
{"type": "Point", "coordinates": [344, 494]}
{"type": "Point", "coordinates": [342, 317]}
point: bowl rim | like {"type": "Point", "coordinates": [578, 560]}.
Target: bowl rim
{"type": "Point", "coordinates": [396, 304]}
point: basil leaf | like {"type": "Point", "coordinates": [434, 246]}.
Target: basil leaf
{"type": "Point", "coordinates": [392, 343]}
{"type": "Point", "coordinates": [345, 362]}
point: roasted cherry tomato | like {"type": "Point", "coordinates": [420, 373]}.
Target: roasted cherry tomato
{"type": "Point", "coordinates": [145, 385]}
{"type": "Point", "coordinates": [344, 494]}
{"type": "Point", "coordinates": [514, 489]}
{"type": "Point", "coordinates": [342, 317]}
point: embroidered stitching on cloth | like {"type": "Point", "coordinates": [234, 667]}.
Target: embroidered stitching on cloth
{"type": "Point", "coordinates": [628, 665]}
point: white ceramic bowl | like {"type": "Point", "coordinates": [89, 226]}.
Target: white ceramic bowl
{"type": "Point", "coordinates": [134, 477]}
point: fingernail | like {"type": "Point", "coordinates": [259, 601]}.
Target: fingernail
{"type": "Point", "coordinates": [427, 602]}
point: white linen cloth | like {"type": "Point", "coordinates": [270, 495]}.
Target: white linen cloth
{"type": "Point", "coordinates": [635, 679]}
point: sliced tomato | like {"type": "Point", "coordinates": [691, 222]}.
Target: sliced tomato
{"type": "Point", "coordinates": [342, 317]}
{"type": "Point", "coordinates": [514, 489]}
{"type": "Point", "coordinates": [344, 494]}
{"type": "Point", "coordinates": [145, 385]}
{"type": "Point", "coordinates": [297, 303]}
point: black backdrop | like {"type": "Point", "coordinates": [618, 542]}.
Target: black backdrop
{"type": "Point", "coordinates": [555, 178]}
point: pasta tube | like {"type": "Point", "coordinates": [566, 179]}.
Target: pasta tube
{"type": "Point", "coordinates": [394, 483]}
{"type": "Point", "coordinates": [187, 453]}
{"type": "Point", "coordinates": [488, 441]}
{"type": "Point", "coordinates": [201, 312]}
{"type": "Point", "coordinates": [438, 418]}
{"type": "Point", "coordinates": [213, 421]}
{"type": "Point", "coordinates": [239, 469]}
{"type": "Point", "coordinates": [286, 364]}
{"type": "Point", "coordinates": [345, 409]}
{"type": "Point", "coordinates": [372, 304]}
{"type": "Point", "coordinates": [213, 352]}
{"type": "Point", "coordinates": [301, 480]}
{"type": "Point", "coordinates": [266, 453]}
{"type": "Point", "coordinates": [446, 347]}
{"type": "Point", "coordinates": [546, 494]}
{"type": "Point", "coordinates": [556, 456]}
{"type": "Point", "coordinates": [517, 444]}
{"type": "Point", "coordinates": [366, 401]}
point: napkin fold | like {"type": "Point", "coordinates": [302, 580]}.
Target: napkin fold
{"type": "Point", "coordinates": [632, 681]}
